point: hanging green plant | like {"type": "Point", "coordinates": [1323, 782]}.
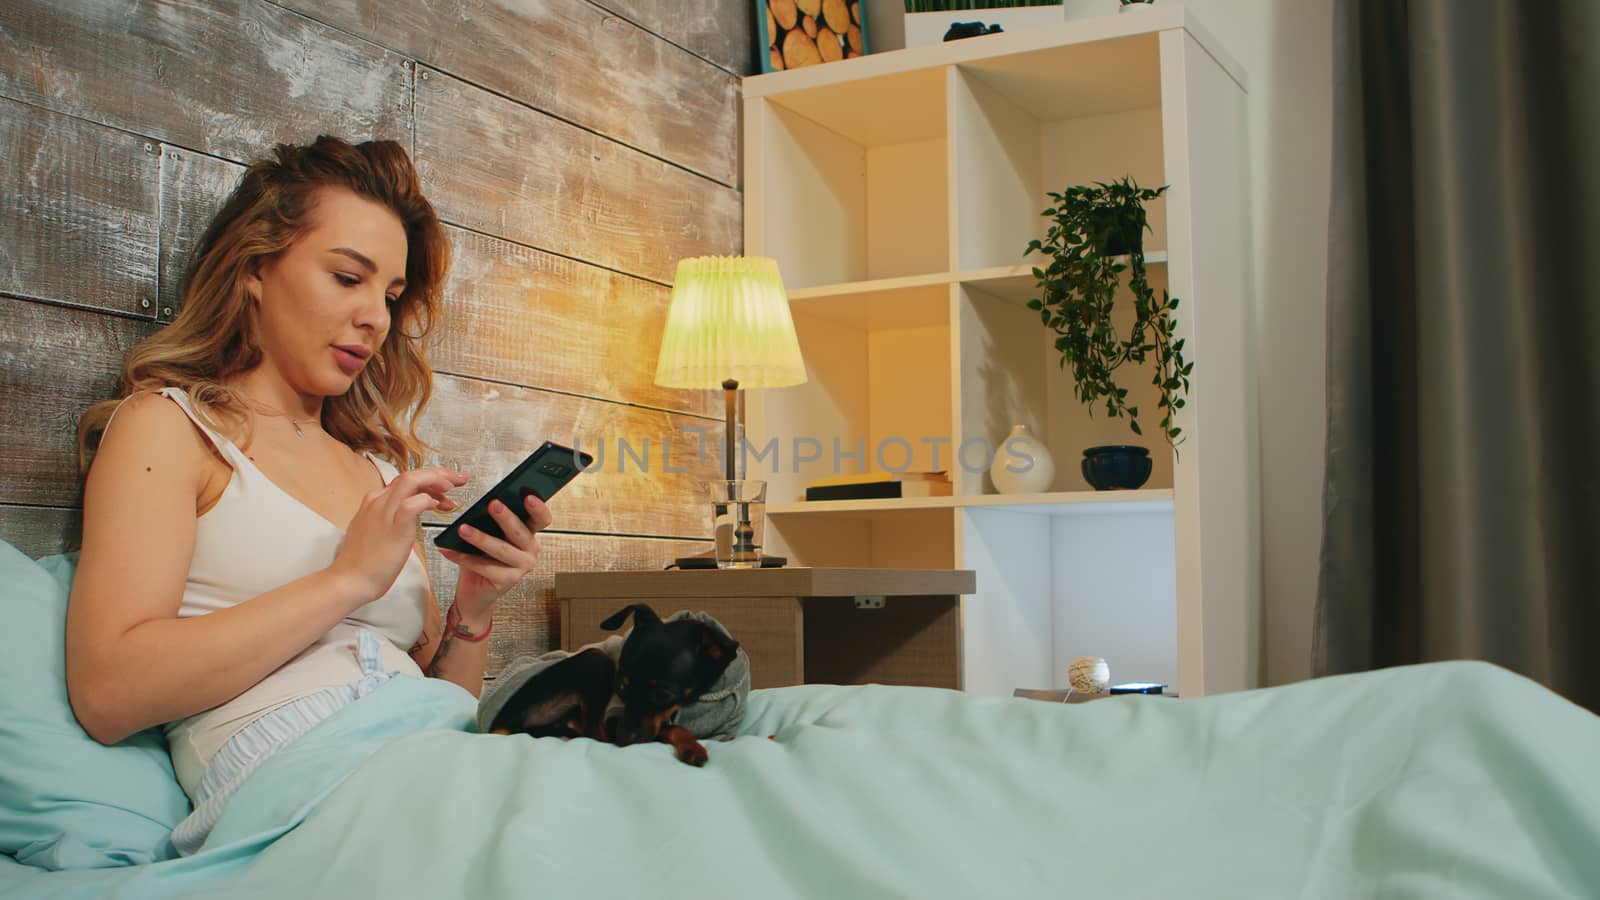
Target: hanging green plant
{"type": "Point", "coordinates": [1096, 234]}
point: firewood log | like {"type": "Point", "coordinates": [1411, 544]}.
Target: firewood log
{"type": "Point", "coordinates": [836, 15]}
{"type": "Point", "coordinates": [799, 50]}
{"type": "Point", "coordinates": [784, 11]}
{"type": "Point", "coordinates": [828, 46]}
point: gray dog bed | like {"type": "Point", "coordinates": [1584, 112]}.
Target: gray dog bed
{"type": "Point", "coordinates": [712, 717]}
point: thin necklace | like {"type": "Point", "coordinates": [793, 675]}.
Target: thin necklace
{"type": "Point", "coordinates": [272, 411]}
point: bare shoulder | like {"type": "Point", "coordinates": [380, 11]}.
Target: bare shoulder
{"type": "Point", "coordinates": [149, 422]}
{"type": "Point", "coordinates": [151, 433]}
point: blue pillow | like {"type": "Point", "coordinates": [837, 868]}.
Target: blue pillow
{"type": "Point", "coordinates": [67, 801]}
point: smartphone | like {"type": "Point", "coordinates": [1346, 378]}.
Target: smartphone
{"type": "Point", "coordinates": [1138, 687]}
{"type": "Point", "coordinates": [545, 471]}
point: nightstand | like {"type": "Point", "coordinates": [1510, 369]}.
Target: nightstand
{"type": "Point", "coordinates": [798, 624]}
{"type": "Point", "coordinates": [1064, 696]}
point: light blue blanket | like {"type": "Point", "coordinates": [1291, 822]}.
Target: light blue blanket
{"type": "Point", "coordinates": [1448, 780]}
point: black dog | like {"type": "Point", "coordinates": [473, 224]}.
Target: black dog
{"type": "Point", "coordinates": [566, 700]}
{"type": "Point", "coordinates": [662, 666]}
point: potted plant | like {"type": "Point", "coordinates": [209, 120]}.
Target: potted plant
{"type": "Point", "coordinates": [1095, 236]}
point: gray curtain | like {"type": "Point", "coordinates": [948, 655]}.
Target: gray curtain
{"type": "Point", "coordinates": [1461, 510]}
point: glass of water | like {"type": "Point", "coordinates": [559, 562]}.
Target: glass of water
{"type": "Point", "coordinates": [738, 518]}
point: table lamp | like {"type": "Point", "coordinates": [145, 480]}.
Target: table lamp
{"type": "Point", "coordinates": [729, 327]}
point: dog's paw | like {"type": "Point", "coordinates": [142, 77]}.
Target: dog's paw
{"type": "Point", "coordinates": [693, 754]}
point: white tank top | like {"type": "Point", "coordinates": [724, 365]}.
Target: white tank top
{"type": "Point", "coordinates": [257, 537]}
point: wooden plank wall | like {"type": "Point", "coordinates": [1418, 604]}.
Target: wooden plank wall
{"type": "Point", "coordinates": [575, 148]}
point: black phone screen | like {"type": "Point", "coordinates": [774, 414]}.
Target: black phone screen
{"type": "Point", "coordinates": [545, 471]}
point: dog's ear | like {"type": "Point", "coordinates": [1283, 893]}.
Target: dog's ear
{"type": "Point", "coordinates": [642, 615]}
{"type": "Point", "coordinates": [717, 647]}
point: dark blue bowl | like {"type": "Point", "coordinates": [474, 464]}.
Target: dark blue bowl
{"type": "Point", "coordinates": [1116, 467]}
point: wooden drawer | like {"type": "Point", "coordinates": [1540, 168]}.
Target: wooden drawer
{"type": "Point", "coordinates": [911, 639]}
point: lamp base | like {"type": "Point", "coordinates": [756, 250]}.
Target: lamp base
{"type": "Point", "coordinates": [744, 554]}
{"type": "Point", "coordinates": [738, 517]}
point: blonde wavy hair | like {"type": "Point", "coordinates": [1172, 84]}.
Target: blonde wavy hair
{"type": "Point", "coordinates": [213, 339]}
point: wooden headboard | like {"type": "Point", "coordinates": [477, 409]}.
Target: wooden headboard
{"type": "Point", "coordinates": [569, 183]}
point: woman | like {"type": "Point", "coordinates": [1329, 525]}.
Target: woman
{"type": "Point", "coordinates": [250, 559]}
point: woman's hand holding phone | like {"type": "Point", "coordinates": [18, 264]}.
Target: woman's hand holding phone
{"type": "Point", "coordinates": [495, 541]}
{"type": "Point", "coordinates": [382, 533]}
{"type": "Point", "coordinates": [485, 578]}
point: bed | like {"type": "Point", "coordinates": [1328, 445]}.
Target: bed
{"type": "Point", "coordinates": [1445, 780]}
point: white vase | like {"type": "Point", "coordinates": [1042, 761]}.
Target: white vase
{"type": "Point", "coordinates": [1022, 464]}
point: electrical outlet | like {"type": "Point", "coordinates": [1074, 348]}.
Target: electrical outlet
{"type": "Point", "coordinates": [869, 603]}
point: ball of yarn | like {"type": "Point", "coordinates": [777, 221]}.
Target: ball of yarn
{"type": "Point", "coordinates": [1089, 675]}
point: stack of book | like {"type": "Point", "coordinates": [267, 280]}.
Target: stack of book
{"type": "Point", "coordinates": [878, 485]}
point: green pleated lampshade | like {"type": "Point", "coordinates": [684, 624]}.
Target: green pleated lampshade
{"type": "Point", "coordinates": [729, 319]}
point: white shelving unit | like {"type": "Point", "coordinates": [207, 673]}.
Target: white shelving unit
{"type": "Point", "coordinates": [898, 192]}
